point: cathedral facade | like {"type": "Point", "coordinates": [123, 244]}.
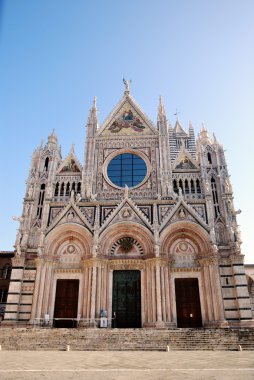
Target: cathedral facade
{"type": "Point", "coordinates": [144, 232]}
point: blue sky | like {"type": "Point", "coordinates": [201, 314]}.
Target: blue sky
{"type": "Point", "coordinates": [55, 55]}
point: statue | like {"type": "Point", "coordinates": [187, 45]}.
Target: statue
{"type": "Point", "coordinates": [227, 186]}
{"type": "Point", "coordinates": [30, 192]}
{"type": "Point", "coordinates": [207, 187]}
{"type": "Point", "coordinates": [212, 234]}
{"type": "Point", "coordinates": [126, 191]}
{"type": "Point", "coordinates": [78, 198]}
{"type": "Point", "coordinates": [39, 251]}
{"type": "Point", "coordinates": [93, 197]}
{"type": "Point", "coordinates": [127, 84]}
{"type": "Point", "coordinates": [18, 252]}
{"type": "Point", "coordinates": [18, 218]}
{"type": "Point", "coordinates": [72, 196]}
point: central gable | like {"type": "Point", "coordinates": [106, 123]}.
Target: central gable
{"type": "Point", "coordinates": [127, 118]}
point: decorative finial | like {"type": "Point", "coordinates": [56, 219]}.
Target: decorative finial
{"type": "Point", "coordinates": [95, 102]}
{"type": "Point", "coordinates": [127, 84]}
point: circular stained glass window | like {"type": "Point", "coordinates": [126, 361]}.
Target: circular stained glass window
{"type": "Point", "coordinates": [127, 169]}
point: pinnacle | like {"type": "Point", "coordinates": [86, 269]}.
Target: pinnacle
{"type": "Point", "coordinates": [52, 138]}
{"type": "Point", "coordinates": [72, 150]}
{"type": "Point", "coordinates": [161, 106]}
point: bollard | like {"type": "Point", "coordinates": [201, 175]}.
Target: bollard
{"type": "Point", "coordinates": [240, 348]}
{"type": "Point", "coordinates": [168, 349]}
{"type": "Point", "coordinates": [68, 347]}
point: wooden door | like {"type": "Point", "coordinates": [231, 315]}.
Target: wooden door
{"type": "Point", "coordinates": [66, 303]}
{"type": "Point", "coordinates": [126, 299]}
{"type": "Point", "coordinates": [188, 302]}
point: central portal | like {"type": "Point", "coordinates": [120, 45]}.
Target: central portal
{"type": "Point", "coordinates": [126, 305]}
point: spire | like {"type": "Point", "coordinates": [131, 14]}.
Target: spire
{"type": "Point", "coordinates": [203, 135]}
{"type": "Point", "coordinates": [92, 122]}
{"type": "Point", "coordinates": [161, 117]}
{"type": "Point", "coordinates": [52, 138]}
{"type": "Point", "coordinates": [161, 108]}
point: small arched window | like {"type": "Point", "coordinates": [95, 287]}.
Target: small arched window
{"type": "Point", "coordinates": [73, 187]}
{"type": "Point", "coordinates": [6, 272]}
{"type": "Point", "coordinates": [41, 200]}
{"type": "Point", "coordinates": [62, 190]}
{"type": "Point", "coordinates": [198, 186]}
{"type": "Point", "coordinates": [192, 186]}
{"type": "Point", "coordinates": [175, 186]}
{"type": "Point", "coordinates": [186, 185]}
{"type": "Point", "coordinates": [67, 191]}
{"type": "Point", "coordinates": [46, 165]}
{"type": "Point", "coordinates": [57, 189]}
{"type": "Point", "coordinates": [215, 197]}
{"type": "Point", "coordinates": [209, 158]}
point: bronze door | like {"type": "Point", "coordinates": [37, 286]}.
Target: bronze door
{"type": "Point", "coordinates": [66, 303]}
{"type": "Point", "coordinates": [126, 306]}
{"type": "Point", "coordinates": [188, 302]}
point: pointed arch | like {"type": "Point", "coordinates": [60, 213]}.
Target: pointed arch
{"type": "Point", "coordinates": [186, 230]}
{"type": "Point", "coordinates": [72, 234]}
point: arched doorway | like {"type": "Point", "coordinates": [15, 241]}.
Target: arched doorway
{"type": "Point", "coordinates": [185, 243]}
{"type": "Point", "coordinates": [126, 246]}
{"type": "Point", "coordinates": [188, 302]}
{"type": "Point", "coordinates": [65, 248]}
{"type": "Point", "coordinates": [126, 299]}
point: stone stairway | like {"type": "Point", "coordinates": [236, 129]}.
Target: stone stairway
{"type": "Point", "coordinates": [93, 339]}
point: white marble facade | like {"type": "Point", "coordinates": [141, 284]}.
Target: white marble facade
{"type": "Point", "coordinates": [178, 222]}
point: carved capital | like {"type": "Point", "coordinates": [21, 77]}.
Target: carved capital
{"type": "Point", "coordinates": [126, 264]}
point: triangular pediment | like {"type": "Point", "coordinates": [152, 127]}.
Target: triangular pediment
{"type": "Point", "coordinates": [126, 211]}
{"type": "Point", "coordinates": [184, 161]}
{"type": "Point", "coordinates": [182, 212]}
{"type": "Point", "coordinates": [179, 130]}
{"type": "Point", "coordinates": [126, 119]}
{"type": "Point", "coordinates": [70, 214]}
{"type": "Point", "coordinates": [70, 165]}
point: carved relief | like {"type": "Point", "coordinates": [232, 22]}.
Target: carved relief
{"type": "Point", "coordinates": [89, 213]}
{"type": "Point", "coordinates": [183, 254]}
{"type": "Point", "coordinates": [126, 245]}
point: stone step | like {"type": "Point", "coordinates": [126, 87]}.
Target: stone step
{"type": "Point", "coordinates": [125, 339]}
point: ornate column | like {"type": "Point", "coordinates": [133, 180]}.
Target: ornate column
{"type": "Point", "coordinates": [93, 293]}
{"type": "Point", "coordinates": [38, 312]}
{"type": "Point", "coordinates": [38, 263]}
{"type": "Point", "coordinates": [216, 294]}
{"type": "Point", "coordinates": [161, 301]}
{"type": "Point", "coordinates": [158, 293]}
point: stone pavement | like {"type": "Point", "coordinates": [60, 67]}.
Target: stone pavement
{"type": "Point", "coordinates": [59, 365]}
